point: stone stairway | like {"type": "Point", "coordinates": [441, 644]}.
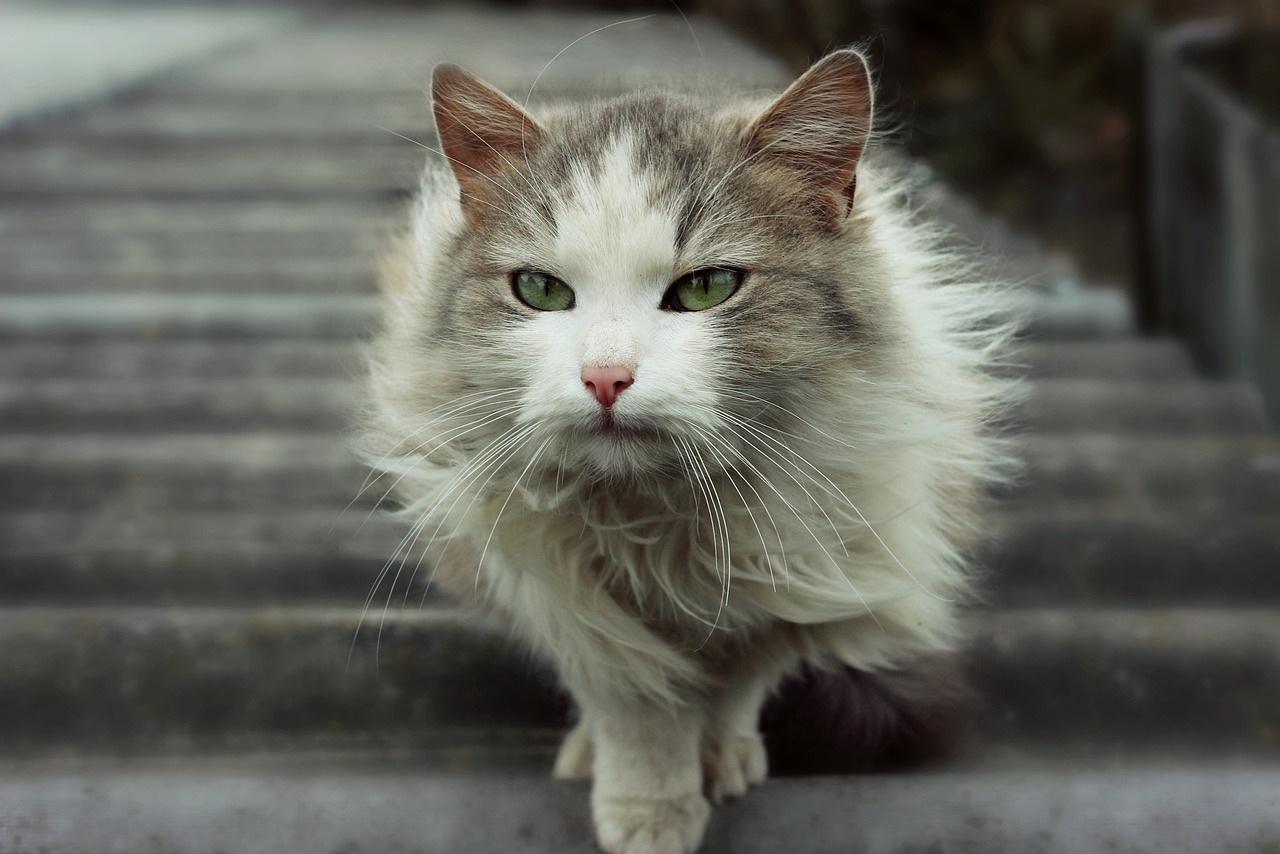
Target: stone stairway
{"type": "Point", "coordinates": [185, 274]}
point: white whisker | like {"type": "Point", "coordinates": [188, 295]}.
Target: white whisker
{"type": "Point", "coordinates": [467, 475]}
{"type": "Point", "coordinates": [827, 484]}
{"type": "Point", "coordinates": [498, 518]}
{"type": "Point", "coordinates": [731, 467]}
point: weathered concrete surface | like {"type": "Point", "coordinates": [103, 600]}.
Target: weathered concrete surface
{"type": "Point", "coordinates": [1084, 475]}
{"type": "Point", "coordinates": [388, 50]}
{"type": "Point", "coordinates": [1124, 359]}
{"type": "Point", "coordinates": [275, 806]}
{"type": "Point", "coordinates": [54, 56]}
{"type": "Point", "coordinates": [142, 311]}
{"type": "Point", "coordinates": [1097, 683]}
{"type": "Point", "coordinates": [1195, 407]}
{"type": "Point", "coordinates": [132, 315]}
{"type": "Point", "coordinates": [265, 554]}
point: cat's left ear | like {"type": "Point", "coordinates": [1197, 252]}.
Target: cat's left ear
{"type": "Point", "coordinates": [820, 125]}
{"type": "Point", "coordinates": [483, 133]}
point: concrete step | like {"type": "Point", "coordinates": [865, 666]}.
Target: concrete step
{"type": "Point", "coordinates": [73, 317]}
{"type": "Point", "coordinates": [1200, 475]}
{"type": "Point", "coordinates": [472, 802]}
{"type": "Point", "coordinates": [227, 274]}
{"type": "Point", "coordinates": [1094, 313]}
{"type": "Point", "coordinates": [37, 360]}
{"type": "Point", "coordinates": [393, 50]}
{"type": "Point", "coordinates": [384, 167]}
{"type": "Point", "coordinates": [1053, 406]}
{"type": "Point", "coordinates": [104, 226]}
{"type": "Point", "coordinates": [165, 680]}
{"type": "Point", "coordinates": [349, 266]}
{"type": "Point", "coordinates": [1150, 360]}
{"type": "Point", "coordinates": [1124, 682]}
{"type": "Point", "coordinates": [178, 115]}
{"type": "Point", "coordinates": [282, 555]}
{"type": "Point", "coordinates": [181, 117]}
{"type": "Point", "coordinates": [1102, 558]}
{"type": "Point", "coordinates": [168, 296]}
{"type": "Point", "coordinates": [1170, 409]}
{"type": "Point", "coordinates": [1193, 473]}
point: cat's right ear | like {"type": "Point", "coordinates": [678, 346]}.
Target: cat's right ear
{"type": "Point", "coordinates": [482, 132]}
{"type": "Point", "coordinates": [819, 127]}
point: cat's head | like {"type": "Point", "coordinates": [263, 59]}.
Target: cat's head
{"type": "Point", "coordinates": [654, 282]}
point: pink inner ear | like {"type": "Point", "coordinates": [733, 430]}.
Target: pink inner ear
{"type": "Point", "coordinates": [482, 132]}
{"type": "Point", "coordinates": [820, 125]}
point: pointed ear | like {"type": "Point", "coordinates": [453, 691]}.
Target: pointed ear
{"type": "Point", "coordinates": [482, 132]}
{"type": "Point", "coordinates": [819, 126]}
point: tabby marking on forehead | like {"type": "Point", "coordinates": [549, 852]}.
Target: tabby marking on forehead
{"type": "Point", "coordinates": [609, 234]}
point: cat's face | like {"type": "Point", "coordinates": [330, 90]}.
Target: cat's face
{"type": "Point", "coordinates": [646, 285]}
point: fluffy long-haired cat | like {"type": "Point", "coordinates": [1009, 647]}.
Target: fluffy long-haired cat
{"type": "Point", "coordinates": [675, 387]}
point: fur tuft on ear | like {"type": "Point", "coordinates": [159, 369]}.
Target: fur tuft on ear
{"type": "Point", "coordinates": [482, 132]}
{"type": "Point", "coordinates": [820, 125]}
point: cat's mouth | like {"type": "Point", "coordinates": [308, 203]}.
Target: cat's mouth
{"type": "Point", "coordinates": [625, 432]}
{"type": "Point", "coordinates": [611, 428]}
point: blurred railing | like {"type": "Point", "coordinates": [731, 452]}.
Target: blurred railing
{"type": "Point", "coordinates": [1212, 197]}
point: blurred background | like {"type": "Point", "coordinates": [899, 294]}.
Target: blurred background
{"type": "Point", "coordinates": [1138, 138]}
{"type": "Point", "coordinates": [208, 637]}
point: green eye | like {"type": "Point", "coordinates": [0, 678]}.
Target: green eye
{"type": "Point", "coordinates": [540, 291]}
{"type": "Point", "coordinates": [702, 289]}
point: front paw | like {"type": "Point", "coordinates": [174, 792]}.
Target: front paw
{"type": "Point", "coordinates": [732, 764]}
{"type": "Point", "coordinates": [635, 825]}
{"type": "Point", "coordinates": [573, 762]}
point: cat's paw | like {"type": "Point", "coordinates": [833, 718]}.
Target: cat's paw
{"type": "Point", "coordinates": [573, 762]}
{"type": "Point", "coordinates": [732, 764]}
{"type": "Point", "coordinates": [651, 825]}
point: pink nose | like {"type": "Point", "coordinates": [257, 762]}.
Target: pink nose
{"type": "Point", "coordinates": [606, 383]}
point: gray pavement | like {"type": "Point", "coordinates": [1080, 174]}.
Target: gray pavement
{"type": "Point", "coordinates": [413, 805]}
{"type": "Point", "coordinates": [55, 55]}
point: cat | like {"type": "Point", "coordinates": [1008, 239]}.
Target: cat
{"type": "Point", "coordinates": [678, 388]}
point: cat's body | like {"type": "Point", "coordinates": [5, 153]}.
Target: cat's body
{"type": "Point", "coordinates": [729, 421]}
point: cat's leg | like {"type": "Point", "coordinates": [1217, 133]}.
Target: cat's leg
{"type": "Point", "coordinates": [647, 775]}
{"type": "Point", "coordinates": [647, 796]}
{"type": "Point", "coordinates": [733, 755]}
{"type": "Point", "coordinates": [573, 762]}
